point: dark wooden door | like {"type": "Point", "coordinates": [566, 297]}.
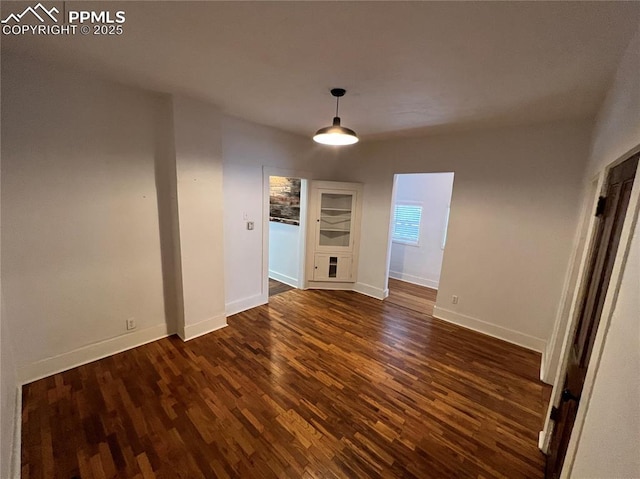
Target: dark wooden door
{"type": "Point", "coordinates": [612, 212]}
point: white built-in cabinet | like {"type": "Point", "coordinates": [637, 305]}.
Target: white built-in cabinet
{"type": "Point", "coordinates": [334, 233]}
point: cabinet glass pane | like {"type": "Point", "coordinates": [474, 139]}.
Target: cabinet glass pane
{"type": "Point", "coordinates": [333, 266]}
{"type": "Point", "coordinates": [335, 219]}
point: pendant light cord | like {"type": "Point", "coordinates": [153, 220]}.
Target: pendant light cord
{"type": "Point", "coordinates": [337, 102]}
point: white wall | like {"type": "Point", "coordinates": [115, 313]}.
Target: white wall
{"type": "Point", "coordinates": [112, 208]}
{"type": "Point", "coordinates": [608, 443]}
{"type": "Point", "coordinates": [247, 149]}
{"type": "Point", "coordinates": [80, 237]}
{"type": "Point", "coordinates": [284, 252]}
{"type": "Point", "coordinates": [422, 263]}
{"type": "Point", "coordinates": [198, 156]}
{"type": "Point", "coordinates": [513, 214]}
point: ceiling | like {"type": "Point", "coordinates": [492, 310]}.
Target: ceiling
{"type": "Point", "coordinates": [410, 68]}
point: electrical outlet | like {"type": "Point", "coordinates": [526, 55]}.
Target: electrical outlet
{"type": "Point", "coordinates": [454, 299]}
{"type": "Point", "coordinates": [250, 225]}
{"type": "Point", "coordinates": [131, 324]}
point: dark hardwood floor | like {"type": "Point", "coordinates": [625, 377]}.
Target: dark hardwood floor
{"type": "Point", "coordinates": [317, 384]}
{"type": "Point", "coordinates": [276, 287]}
{"type": "Point", "coordinates": [412, 296]}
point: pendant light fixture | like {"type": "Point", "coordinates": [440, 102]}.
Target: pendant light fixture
{"type": "Point", "coordinates": [336, 134]}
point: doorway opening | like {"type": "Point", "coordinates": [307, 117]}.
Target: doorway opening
{"type": "Point", "coordinates": [287, 214]}
{"type": "Point", "coordinates": [421, 203]}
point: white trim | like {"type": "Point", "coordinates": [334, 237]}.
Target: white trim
{"type": "Point", "coordinates": [540, 440]}
{"type": "Point", "coordinates": [15, 464]}
{"type": "Point", "coordinates": [368, 290]}
{"type": "Point", "coordinates": [392, 210]}
{"type": "Point", "coordinates": [331, 285]}
{"type": "Point", "coordinates": [408, 278]}
{"type": "Point", "coordinates": [543, 365]}
{"type": "Point", "coordinates": [89, 353]}
{"type": "Point", "coordinates": [283, 278]}
{"type": "Point", "coordinates": [302, 236]}
{"type": "Point", "coordinates": [572, 288]}
{"type": "Point", "coordinates": [192, 331]}
{"type": "Point", "coordinates": [446, 222]}
{"type": "Point", "coordinates": [544, 440]}
{"type": "Point", "coordinates": [415, 244]}
{"type": "Point", "coordinates": [241, 305]}
{"type": "Point", "coordinates": [578, 292]}
{"type": "Point", "coordinates": [605, 321]}
{"type": "Point", "coordinates": [334, 185]}
{"type": "Point", "coordinates": [509, 335]}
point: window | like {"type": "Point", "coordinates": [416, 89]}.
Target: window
{"type": "Point", "coordinates": [406, 223]}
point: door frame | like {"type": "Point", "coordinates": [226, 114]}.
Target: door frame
{"type": "Point", "coordinates": [628, 228]}
{"type": "Point", "coordinates": [307, 176]}
{"type": "Point", "coordinates": [574, 284]}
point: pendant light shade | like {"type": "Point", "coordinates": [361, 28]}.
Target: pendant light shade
{"type": "Point", "coordinates": [336, 134]}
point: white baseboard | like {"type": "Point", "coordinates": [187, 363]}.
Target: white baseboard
{"type": "Point", "coordinates": [544, 441]}
{"type": "Point", "coordinates": [283, 278]}
{"type": "Point", "coordinates": [89, 353]}
{"type": "Point", "coordinates": [429, 283]}
{"type": "Point", "coordinates": [509, 335]}
{"type": "Point", "coordinates": [192, 331]}
{"type": "Point", "coordinates": [247, 303]}
{"type": "Point", "coordinates": [331, 285]}
{"type": "Point", "coordinates": [368, 290]}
